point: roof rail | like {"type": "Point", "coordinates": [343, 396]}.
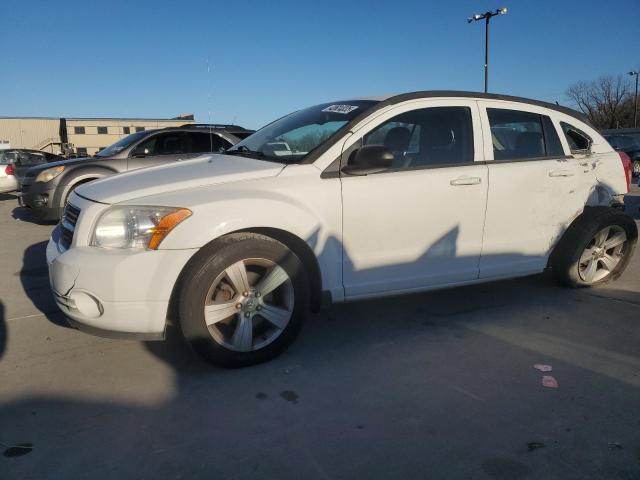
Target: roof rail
{"type": "Point", "coordinates": [212, 125]}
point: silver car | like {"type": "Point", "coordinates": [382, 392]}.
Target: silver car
{"type": "Point", "coordinates": [16, 161]}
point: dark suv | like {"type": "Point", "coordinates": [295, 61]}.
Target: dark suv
{"type": "Point", "coordinates": [626, 140]}
{"type": "Point", "coordinates": [45, 188]}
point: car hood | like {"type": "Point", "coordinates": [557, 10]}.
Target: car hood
{"type": "Point", "coordinates": [73, 161]}
{"type": "Point", "coordinates": [199, 172]}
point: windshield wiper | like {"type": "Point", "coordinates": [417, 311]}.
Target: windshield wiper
{"type": "Point", "coordinates": [242, 150]}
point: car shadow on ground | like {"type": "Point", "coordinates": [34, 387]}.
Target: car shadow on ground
{"type": "Point", "coordinates": [25, 214]}
{"type": "Point", "coordinates": [373, 389]}
{"type": "Point", "coordinates": [7, 197]}
{"type": "Point", "coordinates": [34, 277]}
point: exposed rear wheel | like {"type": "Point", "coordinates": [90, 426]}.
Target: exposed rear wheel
{"type": "Point", "coordinates": [243, 302]}
{"type": "Point", "coordinates": [595, 249]}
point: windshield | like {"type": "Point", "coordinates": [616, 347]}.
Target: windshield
{"type": "Point", "coordinates": [121, 144]}
{"type": "Point", "coordinates": [291, 138]}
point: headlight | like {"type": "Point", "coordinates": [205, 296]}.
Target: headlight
{"type": "Point", "coordinates": [49, 174]}
{"type": "Point", "coordinates": [136, 227]}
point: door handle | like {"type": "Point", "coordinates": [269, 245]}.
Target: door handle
{"type": "Point", "coordinates": [465, 181]}
{"type": "Point", "coordinates": [561, 173]}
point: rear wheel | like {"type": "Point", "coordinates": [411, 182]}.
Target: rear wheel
{"type": "Point", "coordinates": [243, 302]}
{"type": "Point", "coordinates": [595, 249]}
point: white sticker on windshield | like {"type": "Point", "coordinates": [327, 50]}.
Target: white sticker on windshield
{"type": "Point", "coordinates": [340, 109]}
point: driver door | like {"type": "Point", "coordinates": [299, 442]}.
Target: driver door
{"type": "Point", "coordinates": [418, 224]}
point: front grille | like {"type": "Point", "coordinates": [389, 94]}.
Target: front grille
{"type": "Point", "coordinates": [68, 225]}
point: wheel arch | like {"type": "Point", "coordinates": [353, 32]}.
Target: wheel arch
{"type": "Point", "coordinates": [296, 244]}
{"type": "Point", "coordinates": [589, 213]}
{"type": "Point", "coordinates": [79, 177]}
{"type": "Point", "coordinates": [304, 252]}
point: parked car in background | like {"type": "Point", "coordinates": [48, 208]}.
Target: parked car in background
{"type": "Point", "coordinates": [626, 140]}
{"type": "Point", "coordinates": [8, 180]}
{"type": "Point", "coordinates": [45, 189]}
{"type": "Point", "coordinates": [14, 163]}
{"type": "Point", "coordinates": [369, 198]}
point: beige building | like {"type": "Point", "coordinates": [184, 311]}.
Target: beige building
{"type": "Point", "coordinates": [36, 133]}
{"type": "Point", "coordinates": [76, 136]}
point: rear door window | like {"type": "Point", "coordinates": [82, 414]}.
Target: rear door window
{"type": "Point", "coordinates": [201, 142]}
{"type": "Point", "coordinates": [518, 135]}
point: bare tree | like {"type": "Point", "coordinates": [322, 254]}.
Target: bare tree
{"type": "Point", "coordinates": [604, 101]}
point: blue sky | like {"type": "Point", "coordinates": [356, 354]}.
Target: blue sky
{"type": "Point", "coordinates": [150, 58]}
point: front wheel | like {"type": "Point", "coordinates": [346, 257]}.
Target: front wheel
{"type": "Point", "coordinates": [595, 249]}
{"type": "Point", "coordinates": [243, 300]}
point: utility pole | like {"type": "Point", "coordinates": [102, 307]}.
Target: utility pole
{"type": "Point", "coordinates": [635, 103]}
{"type": "Point", "coordinates": [487, 16]}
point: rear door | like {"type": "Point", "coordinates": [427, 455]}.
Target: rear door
{"type": "Point", "coordinates": [536, 188]}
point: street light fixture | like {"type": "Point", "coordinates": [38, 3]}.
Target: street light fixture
{"type": "Point", "coordinates": [635, 106]}
{"type": "Point", "coordinates": [486, 17]}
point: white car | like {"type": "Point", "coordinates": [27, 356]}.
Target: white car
{"type": "Point", "coordinates": [388, 196]}
{"type": "Point", "coordinates": [8, 180]}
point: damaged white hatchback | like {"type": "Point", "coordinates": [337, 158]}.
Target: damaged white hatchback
{"type": "Point", "coordinates": [342, 201]}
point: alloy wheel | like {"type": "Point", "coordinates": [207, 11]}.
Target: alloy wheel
{"type": "Point", "coordinates": [602, 254]}
{"type": "Point", "coordinates": [249, 304]}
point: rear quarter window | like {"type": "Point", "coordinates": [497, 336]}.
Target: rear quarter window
{"type": "Point", "coordinates": [579, 142]}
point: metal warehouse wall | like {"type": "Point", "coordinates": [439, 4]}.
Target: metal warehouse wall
{"type": "Point", "coordinates": [36, 133]}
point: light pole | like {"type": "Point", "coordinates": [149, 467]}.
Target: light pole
{"type": "Point", "coordinates": [635, 105]}
{"type": "Point", "coordinates": [487, 16]}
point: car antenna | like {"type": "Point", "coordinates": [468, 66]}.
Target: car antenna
{"type": "Point", "coordinates": [209, 105]}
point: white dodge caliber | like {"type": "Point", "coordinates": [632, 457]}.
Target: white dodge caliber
{"type": "Point", "coordinates": [342, 201]}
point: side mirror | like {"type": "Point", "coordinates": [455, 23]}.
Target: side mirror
{"type": "Point", "coordinates": [369, 159]}
{"type": "Point", "coordinates": [140, 151]}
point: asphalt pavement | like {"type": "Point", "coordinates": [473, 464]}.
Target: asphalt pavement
{"type": "Point", "coordinates": [431, 386]}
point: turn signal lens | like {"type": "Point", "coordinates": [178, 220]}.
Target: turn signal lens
{"type": "Point", "coordinates": [165, 225]}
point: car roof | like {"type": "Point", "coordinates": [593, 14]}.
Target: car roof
{"type": "Point", "coordinates": [202, 128]}
{"type": "Point", "coordinates": [389, 100]}
{"type": "Point", "coordinates": [392, 99]}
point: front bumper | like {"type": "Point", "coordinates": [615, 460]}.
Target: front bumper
{"type": "Point", "coordinates": [115, 293]}
{"type": "Point", "coordinates": [41, 199]}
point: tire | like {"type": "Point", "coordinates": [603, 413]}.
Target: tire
{"type": "Point", "coordinates": [636, 168]}
{"type": "Point", "coordinates": [586, 255]}
{"type": "Point", "coordinates": [238, 335]}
